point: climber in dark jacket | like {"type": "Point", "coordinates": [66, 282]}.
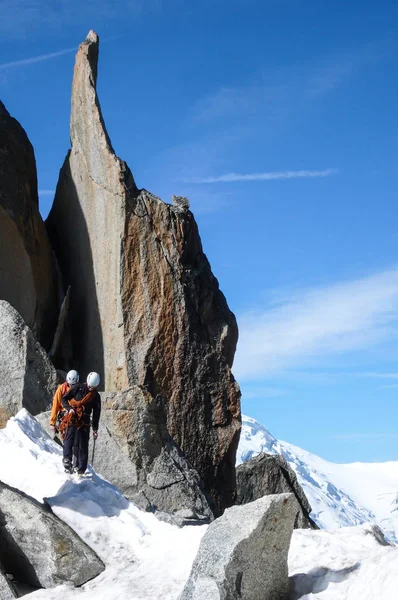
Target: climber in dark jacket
{"type": "Point", "coordinates": [80, 402]}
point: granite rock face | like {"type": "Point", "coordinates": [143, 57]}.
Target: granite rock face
{"type": "Point", "coordinates": [28, 275]}
{"type": "Point", "coordinates": [268, 474]}
{"type": "Point", "coordinates": [39, 549]}
{"type": "Point", "coordinates": [180, 339]}
{"type": "Point", "coordinates": [136, 453]}
{"type": "Point", "coordinates": [145, 308]}
{"type": "Point", "coordinates": [243, 554]}
{"type": "Point", "coordinates": [28, 379]}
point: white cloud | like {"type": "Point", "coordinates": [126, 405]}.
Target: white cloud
{"type": "Point", "coordinates": [266, 176]}
{"type": "Point", "coordinates": [282, 91]}
{"type": "Point", "coordinates": [35, 59]}
{"type": "Point", "coordinates": [380, 375]}
{"type": "Point", "coordinates": [318, 322]}
{"type": "Point", "coordinates": [228, 120]}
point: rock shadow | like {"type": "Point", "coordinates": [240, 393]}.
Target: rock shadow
{"type": "Point", "coordinates": [317, 580]}
{"type": "Point", "coordinates": [69, 236]}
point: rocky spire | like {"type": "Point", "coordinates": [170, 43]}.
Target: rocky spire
{"type": "Point", "coordinates": [86, 224]}
{"type": "Point", "coordinates": [145, 306]}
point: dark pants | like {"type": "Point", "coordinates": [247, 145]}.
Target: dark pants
{"type": "Point", "coordinates": [76, 441]}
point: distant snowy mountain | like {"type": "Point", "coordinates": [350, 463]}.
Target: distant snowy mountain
{"type": "Point", "coordinates": [341, 495]}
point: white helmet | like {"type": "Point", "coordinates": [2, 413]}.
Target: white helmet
{"type": "Point", "coordinates": [72, 377]}
{"type": "Point", "coordinates": [93, 380]}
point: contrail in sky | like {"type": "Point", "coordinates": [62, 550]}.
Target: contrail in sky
{"type": "Point", "coordinates": [35, 59]}
{"type": "Point", "coordinates": [232, 177]}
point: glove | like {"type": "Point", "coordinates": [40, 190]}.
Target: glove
{"type": "Point", "coordinates": [71, 411]}
{"type": "Point", "coordinates": [95, 434]}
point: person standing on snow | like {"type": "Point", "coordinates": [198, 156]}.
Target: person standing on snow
{"type": "Point", "coordinates": [80, 402]}
{"type": "Point", "coordinates": [57, 410]}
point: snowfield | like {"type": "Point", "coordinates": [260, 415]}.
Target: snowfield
{"type": "Point", "coordinates": [340, 495]}
{"type": "Point", "coordinates": [146, 558]}
{"type": "Point", "coordinates": [348, 564]}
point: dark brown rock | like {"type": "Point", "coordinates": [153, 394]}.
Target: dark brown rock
{"type": "Point", "coordinates": [28, 276]}
{"type": "Point", "coordinates": [268, 474]}
{"type": "Point", "coordinates": [180, 338]}
{"type": "Point", "coordinates": [145, 307]}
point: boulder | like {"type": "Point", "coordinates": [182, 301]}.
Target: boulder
{"type": "Point", "coordinates": [37, 548]}
{"type": "Point", "coordinates": [28, 379]}
{"type": "Point", "coordinates": [28, 275]}
{"type": "Point", "coordinates": [135, 452]}
{"type": "Point", "coordinates": [268, 474]}
{"type": "Point", "coordinates": [145, 308]}
{"type": "Point", "coordinates": [7, 592]}
{"type": "Point", "coordinates": [243, 554]}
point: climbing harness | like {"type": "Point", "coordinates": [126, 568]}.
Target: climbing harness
{"type": "Point", "coordinates": [75, 419]}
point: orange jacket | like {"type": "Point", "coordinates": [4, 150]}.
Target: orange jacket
{"type": "Point", "coordinates": [57, 402]}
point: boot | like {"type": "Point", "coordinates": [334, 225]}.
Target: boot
{"type": "Point", "coordinates": [67, 465]}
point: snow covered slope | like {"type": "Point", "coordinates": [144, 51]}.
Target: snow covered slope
{"type": "Point", "coordinates": [340, 495]}
{"type": "Point", "coordinates": [146, 559]}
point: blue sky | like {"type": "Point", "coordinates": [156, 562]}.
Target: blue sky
{"type": "Point", "coordinates": [278, 119]}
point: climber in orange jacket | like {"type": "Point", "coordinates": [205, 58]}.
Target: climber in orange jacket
{"type": "Point", "coordinates": [71, 379]}
{"type": "Point", "coordinates": [80, 403]}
